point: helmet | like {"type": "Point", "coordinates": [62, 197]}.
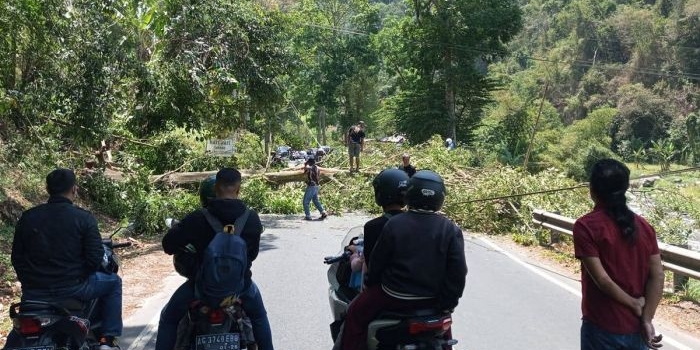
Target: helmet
{"type": "Point", "coordinates": [390, 187]}
{"type": "Point", "coordinates": [206, 190]}
{"type": "Point", "coordinates": [426, 190]}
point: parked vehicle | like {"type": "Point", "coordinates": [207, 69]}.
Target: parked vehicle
{"type": "Point", "coordinates": [420, 329]}
{"type": "Point", "coordinates": [62, 324]}
{"type": "Point", "coordinates": [319, 152]}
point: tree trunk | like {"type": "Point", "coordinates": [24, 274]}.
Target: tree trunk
{"type": "Point", "coordinates": [450, 96]}
{"type": "Point", "coordinates": [322, 122]}
{"type": "Point", "coordinates": [268, 137]}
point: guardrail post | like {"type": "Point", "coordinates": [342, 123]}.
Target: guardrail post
{"type": "Point", "coordinates": [554, 236]}
{"type": "Point", "coordinates": [679, 282]}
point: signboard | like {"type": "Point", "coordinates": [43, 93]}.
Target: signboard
{"type": "Point", "coordinates": [220, 148]}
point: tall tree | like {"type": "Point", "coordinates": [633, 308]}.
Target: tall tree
{"type": "Point", "coordinates": [216, 67]}
{"type": "Point", "coordinates": [334, 42]}
{"type": "Point", "coordinates": [442, 48]}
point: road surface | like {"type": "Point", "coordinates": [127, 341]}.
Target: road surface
{"type": "Point", "coordinates": [508, 303]}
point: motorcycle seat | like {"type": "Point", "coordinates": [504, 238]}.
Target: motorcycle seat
{"type": "Point", "coordinates": [409, 314]}
{"type": "Point", "coordinates": [38, 306]}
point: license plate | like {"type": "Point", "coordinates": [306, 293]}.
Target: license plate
{"type": "Point", "coordinates": [45, 347]}
{"type": "Point", "coordinates": [223, 341]}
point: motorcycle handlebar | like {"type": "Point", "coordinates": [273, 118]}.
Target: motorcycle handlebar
{"type": "Point", "coordinates": [334, 259]}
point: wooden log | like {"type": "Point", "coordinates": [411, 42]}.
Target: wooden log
{"type": "Point", "coordinates": [181, 178]}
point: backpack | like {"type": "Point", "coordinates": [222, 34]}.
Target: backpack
{"type": "Point", "coordinates": [221, 275]}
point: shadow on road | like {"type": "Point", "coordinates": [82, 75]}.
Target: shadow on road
{"type": "Point", "coordinates": [266, 242]}
{"type": "Point", "coordinates": [281, 221]}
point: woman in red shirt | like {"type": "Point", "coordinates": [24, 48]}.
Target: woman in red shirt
{"type": "Point", "coordinates": [621, 274]}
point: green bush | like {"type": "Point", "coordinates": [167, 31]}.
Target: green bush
{"type": "Point", "coordinates": [288, 202]}
{"type": "Point", "coordinates": [255, 192]}
{"type": "Point", "coordinates": [106, 195]}
{"type": "Point", "coordinates": [149, 214]}
{"type": "Point", "coordinates": [6, 235]}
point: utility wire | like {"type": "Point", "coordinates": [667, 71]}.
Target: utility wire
{"type": "Point", "coordinates": [575, 62]}
{"type": "Point", "coordinates": [575, 187]}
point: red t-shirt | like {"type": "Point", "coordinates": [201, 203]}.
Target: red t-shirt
{"type": "Point", "coordinates": [597, 235]}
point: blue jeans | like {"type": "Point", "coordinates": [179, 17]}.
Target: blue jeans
{"type": "Point", "coordinates": [106, 287]}
{"type": "Point", "coordinates": [176, 309]}
{"type": "Point", "coordinates": [311, 194]}
{"type": "Point", "coordinates": [595, 338]}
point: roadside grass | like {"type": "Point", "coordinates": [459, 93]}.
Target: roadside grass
{"type": "Point", "coordinates": [691, 291]}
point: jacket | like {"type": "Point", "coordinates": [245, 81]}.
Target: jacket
{"type": "Point", "coordinates": [420, 256]}
{"type": "Point", "coordinates": [195, 229]}
{"type": "Point", "coordinates": [372, 231]}
{"type": "Point", "coordinates": [56, 245]}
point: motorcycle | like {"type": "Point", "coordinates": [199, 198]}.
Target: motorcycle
{"type": "Point", "coordinates": [69, 324]}
{"type": "Point", "coordinates": [280, 156]}
{"type": "Point", "coordinates": [209, 328]}
{"type": "Point", "coordinates": [419, 329]}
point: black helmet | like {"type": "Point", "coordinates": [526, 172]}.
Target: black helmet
{"type": "Point", "coordinates": [426, 190]}
{"type": "Point", "coordinates": [390, 187]}
{"type": "Point", "coordinates": [206, 190]}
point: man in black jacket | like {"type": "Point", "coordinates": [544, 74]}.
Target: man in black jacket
{"type": "Point", "coordinates": [195, 230]}
{"type": "Point", "coordinates": [406, 165]}
{"type": "Point", "coordinates": [418, 262]}
{"type": "Point", "coordinates": [57, 254]}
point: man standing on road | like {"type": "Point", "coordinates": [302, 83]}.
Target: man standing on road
{"type": "Point", "coordinates": [355, 140]}
{"type": "Point", "coordinates": [621, 274]}
{"type": "Point", "coordinates": [194, 230]}
{"type": "Point", "coordinates": [57, 253]}
{"type": "Point", "coordinates": [312, 187]}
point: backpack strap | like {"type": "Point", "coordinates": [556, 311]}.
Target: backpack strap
{"type": "Point", "coordinates": [240, 222]}
{"type": "Point", "coordinates": [213, 221]}
{"type": "Point", "coordinates": [387, 215]}
{"type": "Point", "coordinates": [216, 224]}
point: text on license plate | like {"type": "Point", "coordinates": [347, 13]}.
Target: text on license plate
{"type": "Point", "coordinates": [45, 347]}
{"type": "Point", "coordinates": [223, 341]}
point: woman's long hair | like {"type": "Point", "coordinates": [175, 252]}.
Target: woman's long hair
{"type": "Point", "coordinates": [609, 181]}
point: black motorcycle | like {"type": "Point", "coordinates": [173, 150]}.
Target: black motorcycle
{"type": "Point", "coordinates": [206, 328]}
{"type": "Point", "coordinates": [419, 329]}
{"type": "Point", "coordinates": [62, 324]}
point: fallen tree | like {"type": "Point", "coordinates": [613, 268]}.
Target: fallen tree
{"type": "Point", "coordinates": [277, 177]}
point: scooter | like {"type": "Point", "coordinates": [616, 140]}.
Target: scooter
{"type": "Point", "coordinates": [420, 329]}
{"type": "Point", "coordinates": [62, 324]}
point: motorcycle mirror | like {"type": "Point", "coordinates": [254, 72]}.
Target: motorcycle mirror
{"type": "Point", "coordinates": [130, 228]}
{"type": "Point", "coordinates": [170, 222]}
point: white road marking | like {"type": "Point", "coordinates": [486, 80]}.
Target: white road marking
{"type": "Point", "coordinates": [566, 287]}
{"type": "Point", "coordinates": [146, 334]}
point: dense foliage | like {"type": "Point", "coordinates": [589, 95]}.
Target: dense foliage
{"type": "Point", "coordinates": [534, 91]}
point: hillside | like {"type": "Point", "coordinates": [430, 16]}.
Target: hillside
{"type": "Point", "coordinates": [533, 92]}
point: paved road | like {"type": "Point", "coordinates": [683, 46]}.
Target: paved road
{"type": "Point", "coordinates": [507, 304]}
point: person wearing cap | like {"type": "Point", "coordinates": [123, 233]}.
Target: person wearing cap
{"type": "Point", "coordinates": [57, 254]}
{"type": "Point", "coordinates": [406, 165]}
{"type": "Point", "coordinates": [312, 187]}
{"type": "Point", "coordinates": [355, 140]}
{"type": "Point", "coordinates": [195, 230]}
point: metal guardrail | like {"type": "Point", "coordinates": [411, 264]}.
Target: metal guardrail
{"type": "Point", "coordinates": [680, 261]}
